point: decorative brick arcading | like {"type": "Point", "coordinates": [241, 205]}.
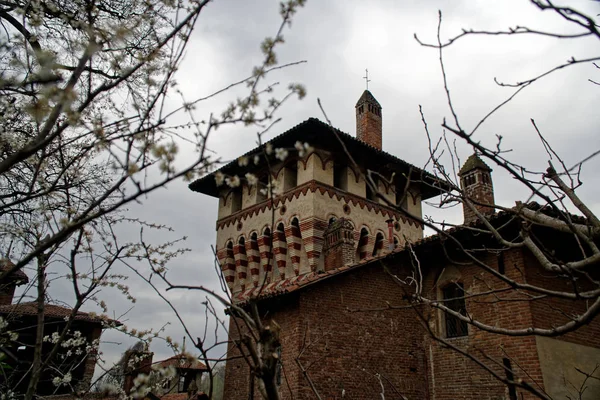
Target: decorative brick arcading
{"type": "Point", "coordinates": [227, 262]}
{"type": "Point", "coordinates": [241, 264]}
{"type": "Point", "coordinates": [312, 229]}
{"type": "Point", "coordinates": [266, 255]}
{"type": "Point", "coordinates": [294, 243]}
{"type": "Point", "coordinates": [280, 251]}
{"type": "Point", "coordinates": [338, 249]}
{"type": "Point", "coordinates": [253, 256]}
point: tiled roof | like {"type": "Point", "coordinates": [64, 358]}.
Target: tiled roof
{"type": "Point", "coordinates": [367, 97]}
{"type": "Point", "coordinates": [182, 361]}
{"type": "Point", "coordinates": [290, 285]}
{"type": "Point", "coordinates": [320, 134]}
{"type": "Point", "coordinates": [50, 310]}
{"type": "Point", "coordinates": [18, 276]}
{"type": "Point", "coordinates": [473, 162]}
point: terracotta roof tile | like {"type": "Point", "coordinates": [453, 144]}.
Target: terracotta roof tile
{"type": "Point", "coordinates": [182, 361]}
{"type": "Point", "coordinates": [50, 310]}
{"type": "Point", "coordinates": [19, 276]}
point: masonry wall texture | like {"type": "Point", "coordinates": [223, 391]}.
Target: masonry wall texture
{"type": "Point", "coordinates": [343, 341]}
{"type": "Point", "coordinates": [354, 327]}
{"type": "Point", "coordinates": [340, 298]}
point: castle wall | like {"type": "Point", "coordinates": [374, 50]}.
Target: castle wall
{"type": "Point", "coordinates": [313, 204]}
{"type": "Point", "coordinates": [451, 374]}
{"type": "Point", "coordinates": [345, 346]}
{"type": "Point", "coordinates": [535, 359]}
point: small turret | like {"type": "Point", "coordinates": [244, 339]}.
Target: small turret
{"type": "Point", "coordinates": [476, 183]}
{"type": "Point", "coordinates": [369, 120]}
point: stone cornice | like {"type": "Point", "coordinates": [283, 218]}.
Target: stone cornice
{"type": "Point", "coordinates": [314, 186]}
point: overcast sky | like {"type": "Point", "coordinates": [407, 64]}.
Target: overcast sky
{"type": "Point", "coordinates": [339, 39]}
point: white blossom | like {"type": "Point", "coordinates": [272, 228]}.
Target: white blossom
{"type": "Point", "coordinates": [251, 178]}
{"type": "Point", "coordinates": [243, 161]}
{"type": "Point", "coordinates": [219, 178]}
{"type": "Point", "coordinates": [281, 154]}
{"type": "Point", "coordinates": [233, 182]}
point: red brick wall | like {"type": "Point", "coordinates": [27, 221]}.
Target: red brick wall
{"type": "Point", "coordinates": [480, 192]}
{"type": "Point", "coordinates": [552, 311]}
{"type": "Point", "coordinates": [350, 342]}
{"type": "Point", "coordinates": [237, 372]}
{"type": "Point", "coordinates": [454, 376]}
{"type": "Point", "coordinates": [344, 349]}
{"type": "Point", "coordinates": [347, 335]}
{"type": "Point", "coordinates": [369, 128]}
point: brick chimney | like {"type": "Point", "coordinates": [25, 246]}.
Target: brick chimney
{"type": "Point", "coordinates": [476, 183]}
{"type": "Point", "coordinates": [339, 244]}
{"type": "Point", "coordinates": [135, 361]}
{"type": "Point", "coordinates": [10, 283]}
{"type": "Point", "coordinates": [368, 120]}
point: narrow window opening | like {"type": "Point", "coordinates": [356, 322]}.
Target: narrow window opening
{"type": "Point", "coordinates": [402, 200]}
{"type": "Point", "coordinates": [263, 182]}
{"type": "Point", "coordinates": [236, 200]}
{"type": "Point", "coordinates": [181, 385]}
{"type": "Point", "coordinates": [371, 195]}
{"type": "Point", "coordinates": [361, 250]}
{"type": "Point", "coordinates": [470, 180]}
{"type": "Point", "coordinates": [512, 390]}
{"type": "Point", "coordinates": [290, 177]}
{"type": "Point", "coordinates": [485, 178]}
{"type": "Point", "coordinates": [340, 177]}
{"type": "Point", "coordinates": [378, 245]}
{"type": "Point", "coordinates": [454, 299]}
{"type": "Point", "coordinates": [501, 268]}
{"type": "Point", "coordinates": [395, 242]}
{"type": "Point", "coordinates": [332, 220]}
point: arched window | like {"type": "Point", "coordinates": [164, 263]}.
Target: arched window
{"type": "Point", "coordinates": [453, 296]}
{"type": "Point", "coordinates": [363, 242]}
{"type": "Point", "coordinates": [379, 242]}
